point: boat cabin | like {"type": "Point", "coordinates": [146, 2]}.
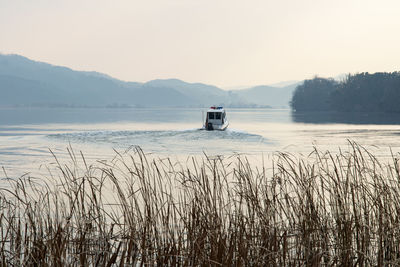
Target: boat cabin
{"type": "Point", "coordinates": [216, 119]}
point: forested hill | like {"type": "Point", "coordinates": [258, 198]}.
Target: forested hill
{"type": "Point", "coordinates": [364, 92]}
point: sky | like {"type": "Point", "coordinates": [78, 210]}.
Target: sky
{"type": "Point", "coordinates": [227, 43]}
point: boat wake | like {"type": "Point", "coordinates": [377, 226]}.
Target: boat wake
{"type": "Point", "coordinates": [187, 137]}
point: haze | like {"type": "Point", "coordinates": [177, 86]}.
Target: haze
{"type": "Point", "coordinates": [225, 43]}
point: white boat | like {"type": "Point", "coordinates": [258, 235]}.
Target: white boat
{"type": "Point", "coordinates": [216, 119]}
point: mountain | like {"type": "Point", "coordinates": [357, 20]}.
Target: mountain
{"type": "Point", "coordinates": [268, 95]}
{"type": "Point", "coordinates": [24, 81]}
{"type": "Point", "coordinates": [27, 82]}
{"type": "Point", "coordinates": [197, 92]}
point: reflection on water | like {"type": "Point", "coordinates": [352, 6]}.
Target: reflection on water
{"type": "Point", "coordinates": [346, 117]}
{"type": "Point", "coordinates": [34, 115]}
{"type": "Point", "coordinates": [27, 115]}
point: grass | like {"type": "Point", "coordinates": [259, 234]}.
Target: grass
{"type": "Point", "coordinates": [324, 209]}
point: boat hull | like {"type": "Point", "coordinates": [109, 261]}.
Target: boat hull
{"type": "Point", "coordinates": [216, 127]}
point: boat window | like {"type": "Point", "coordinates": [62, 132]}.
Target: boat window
{"type": "Point", "coordinates": [211, 115]}
{"type": "Point", "coordinates": [218, 115]}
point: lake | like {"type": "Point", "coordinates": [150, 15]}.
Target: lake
{"type": "Point", "coordinates": [28, 134]}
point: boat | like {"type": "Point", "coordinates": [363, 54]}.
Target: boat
{"type": "Point", "coordinates": [216, 119]}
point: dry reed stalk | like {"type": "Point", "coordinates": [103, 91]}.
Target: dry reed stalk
{"type": "Point", "coordinates": [323, 209]}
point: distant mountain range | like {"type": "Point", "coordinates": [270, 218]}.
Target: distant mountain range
{"type": "Point", "coordinates": [27, 82]}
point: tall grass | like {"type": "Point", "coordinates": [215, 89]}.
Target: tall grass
{"type": "Point", "coordinates": [323, 209]}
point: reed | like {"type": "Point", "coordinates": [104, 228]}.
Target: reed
{"type": "Point", "coordinates": [323, 209]}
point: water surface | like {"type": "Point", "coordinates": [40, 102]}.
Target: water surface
{"type": "Point", "coordinates": [27, 134]}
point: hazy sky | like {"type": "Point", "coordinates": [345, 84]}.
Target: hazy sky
{"type": "Point", "coordinates": [221, 42]}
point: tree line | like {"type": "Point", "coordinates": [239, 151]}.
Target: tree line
{"type": "Point", "coordinates": [362, 92]}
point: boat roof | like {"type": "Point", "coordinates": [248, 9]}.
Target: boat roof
{"type": "Point", "coordinates": [216, 109]}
